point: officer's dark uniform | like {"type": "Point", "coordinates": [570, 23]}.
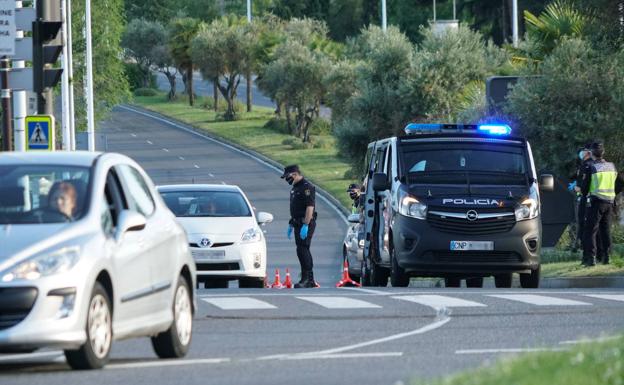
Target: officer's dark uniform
{"type": "Point", "coordinates": [583, 172]}
{"type": "Point", "coordinates": [599, 186]}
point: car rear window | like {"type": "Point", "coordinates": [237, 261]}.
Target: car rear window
{"type": "Point", "coordinates": [206, 203]}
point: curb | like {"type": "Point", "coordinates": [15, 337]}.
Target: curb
{"type": "Point", "coordinates": [272, 164]}
{"type": "Point", "coordinates": [604, 282]}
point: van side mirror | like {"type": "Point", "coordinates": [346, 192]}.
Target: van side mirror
{"type": "Point", "coordinates": [354, 218]}
{"type": "Point", "coordinates": [380, 181]}
{"type": "Point", "coordinates": [547, 182]}
{"type": "Point", "coordinates": [129, 221]}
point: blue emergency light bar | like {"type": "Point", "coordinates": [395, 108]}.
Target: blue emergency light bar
{"type": "Point", "coordinates": [428, 128]}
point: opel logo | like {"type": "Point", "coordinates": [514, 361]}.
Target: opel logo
{"type": "Point", "coordinates": [472, 215]}
{"type": "Point", "coordinates": [204, 242]}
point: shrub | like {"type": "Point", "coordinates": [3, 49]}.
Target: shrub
{"type": "Point", "coordinates": [145, 92]}
{"type": "Point", "coordinates": [302, 145]}
{"type": "Point", "coordinates": [291, 141]}
{"type": "Point", "coordinates": [137, 77]}
{"type": "Point", "coordinates": [278, 125]}
{"type": "Point", "coordinates": [320, 126]}
{"type": "Point", "coordinates": [323, 142]}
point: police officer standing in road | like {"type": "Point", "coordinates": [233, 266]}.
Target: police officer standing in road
{"type": "Point", "coordinates": [599, 186]}
{"type": "Point", "coordinates": [302, 221]}
{"type": "Point", "coordinates": [582, 172]}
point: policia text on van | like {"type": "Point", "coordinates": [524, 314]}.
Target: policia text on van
{"type": "Point", "coordinates": [456, 201]}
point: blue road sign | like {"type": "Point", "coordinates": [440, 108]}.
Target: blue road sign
{"type": "Point", "coordinates": [40, 133]}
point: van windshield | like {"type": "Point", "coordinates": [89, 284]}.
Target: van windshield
{"type": "Point", "coordinates": [459, 163]}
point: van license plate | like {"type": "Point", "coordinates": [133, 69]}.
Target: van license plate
{"type": "Point", "coordinates": [472, 245]}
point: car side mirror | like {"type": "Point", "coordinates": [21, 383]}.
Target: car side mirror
{"type": "Point", "coordinates": [380, 181]}
{"type": "Point", "coordinates": [129, 221]}
{"type": "Point", "coordinates": [547, 182]}
{"type": "Point", "coordinates": [263, 218]}
{"type": "Point", "coordinates": [353, 218]}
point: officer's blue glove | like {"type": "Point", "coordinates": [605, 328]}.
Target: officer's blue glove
{"type": "Point", "coordinates": [304, 231]}
{"type": "Point", "coordinates": [289, 232]}
{"type": "Point", "coordinates": [571, 186]}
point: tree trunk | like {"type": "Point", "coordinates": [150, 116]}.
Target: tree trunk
{"type": "Point", "coordinates": [189, 80]}
{"type": "Point", "coordinates": [172, 85]}
{"type": "Point", "coordinates": [288, 119]}
{"type": "Point", "coordinates": [215, 93]}
{"type": "Point", "coordinates": [183, 72]}
{"type": "Point", "coordinates": [249, 84]}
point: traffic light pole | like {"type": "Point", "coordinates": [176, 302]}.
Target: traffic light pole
{"type": "Point", "coordinates": [7, 111]}
{"type": "Point", "coordinates": [45, 101]}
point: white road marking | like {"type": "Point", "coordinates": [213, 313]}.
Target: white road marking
{"type": "Point", "coordinates": [196, 166]}
{"type": "Point", "coordinates": [209, 174]}
{"type": "Point", "coordinates": [161, 363]}
{"type": "Point", "coordinates": [133, 135]}
{"type": "Point", "coordinates": [439, 301]}
{"type": "Point", "coordinates": [257, 159]}
{"type": "Point", "coordinates": [370, 291]}
{"type": "Point", "coordinates": [223, 183]}
{"type": "Point", "coordinates": [335, 356]}
{"type": "Point", "coordinates": [181, 157]}
{"type": "Point", "coordinates": [506, 350]}
{"type": "Point", "coordinates": [540, 300]}
{"type": "Point", "coordinates": [340, 303]}
{"type": "Point", "coordinates": [238, 303]}
{"type": "Point", "coordinates": [27, 356]}
{"type": "Point", "coordinates": [165, 150]}
{"type": "Point", "coordinates": [148, 142]}
{"type": "Point", "coordinates": [611, 297]}
{"type": "Point", "coordinates": [586, 340]}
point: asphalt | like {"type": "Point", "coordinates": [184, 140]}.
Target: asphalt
{"type": "Point", "coordinates": [328, 335]}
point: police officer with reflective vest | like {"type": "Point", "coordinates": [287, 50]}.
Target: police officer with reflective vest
{"type": "Point", "coordinates": [302, 221]}
{"type": "Point", "coordinates": [582, 172]}
{"type": "Point", "coordinates": [599, 186]}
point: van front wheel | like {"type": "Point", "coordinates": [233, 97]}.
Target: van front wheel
{"type": "Point", "coordinates": [398, 277]}
{"type": "Point", "coordinates": [378, 275]}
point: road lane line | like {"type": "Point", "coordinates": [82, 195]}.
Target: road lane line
{"type": "Point", "coordinates": [238, 303]}
{"type": "Point", "coordinates": [148, 142]}
{"type": "Point", "coordinates": [210, 175]}
{"type": "Point", "coordinates": [161, 363]}
{"type": "Point", "coordinates": [181, 157]}
{"type": "Point", "coordinates": [247, 154]}
{"type": "Point", "coordinates": [540, 300]}
{"type": "Point", "coordinates": [439, 301]}
{"type": "Point", "coordinates": [370, 291]}
{"type": "Point", "coordinates": [340, 303]}
{"type": "Point", "coordinates": [345, 355]}
{"type": "Point", "coordinates": [587, 340]}
{"type": "Point", "coordinates": [165, 150]}
{"type": "Point", "coordinates": [196, 166]}
{"type": "Point", "coordinates": [507, 350]}
{"type": "Point", "coordinates": [133, 135]}
{"type": "Point", "coordinates": [26, 356]}
{"type": "Point", "coordinates": [610, 297]}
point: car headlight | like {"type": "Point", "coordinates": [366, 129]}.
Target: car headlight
{"type": "Point", "coordinates": [44, 265]}
{"type": "Point", "coordinates": [412, 207]}
{"type": "Point", "coordinates": [252, 235]}
{"type": "Point", "coordinates": [528, 209]}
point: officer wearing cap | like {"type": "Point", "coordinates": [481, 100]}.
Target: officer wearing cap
{"type": "Point", "coordinates": [582, 172]}
{"type": "Point", "coordinates": [354, 193]}
{"type": "Point", "coordinates": [599, 185]}
{"type": "Point", "coordinates": [302, 221]}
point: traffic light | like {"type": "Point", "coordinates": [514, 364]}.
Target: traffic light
{"type": "Point", "coordinates": [45, 54]}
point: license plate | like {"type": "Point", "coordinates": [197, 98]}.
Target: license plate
{"type": "Point", "coordinates": [472, 245]}
{"type": "Point", "coordinates": [208, 255]}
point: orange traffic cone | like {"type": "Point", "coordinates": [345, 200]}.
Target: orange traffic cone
{"type": "Point", "coordinates": [277, 284]}
{"type": "Point", "coordinates": [346, 280]}
{"type": "Point", "coordinates": [267, 285]}
{"type": "Point", "coordinates": [287, 282]}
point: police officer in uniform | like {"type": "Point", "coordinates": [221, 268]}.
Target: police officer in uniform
{"type": "Point", "coordinates": [354, 193]}
{"type": "Point", "coordinates": [583, 171]}
{"type": "Point", "coordinates": [599, 186]}
{"type": "Point", "coordinates": [302, 221]}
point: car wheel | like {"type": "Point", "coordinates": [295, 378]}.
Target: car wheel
{"type": "Point", "coordinates": [530, 280]}
{"type": "Point", "coordinates": [452, 282]}
{"type": "Point", "coordinates": [398, 277]}
{"type": "Point", "coordinates": [378, 275]}
{"type": "Point", "coordinates": [364, 274]}
{"type": "Point", "coordinates": [253, 283]}
{"type": "Point", "coordinates": [94, 353]}
{"type": "Point", "coordinates": [474, 282]}
{"type": "Point", "coordinates": [216, 284]}
{"type": "Point", "coordinates": [175, 341]}
{"type": "Point", "coordinates": [503, 280]}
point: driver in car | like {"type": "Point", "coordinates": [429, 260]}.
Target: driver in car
{"type": "Point", "coordinates": [62, 197]}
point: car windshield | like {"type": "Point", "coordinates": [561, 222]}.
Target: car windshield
{"type": "Point", "coordinates": [206, 203]}
{"type": "Point", "coordinates": [473, 163]}
{"type": "Point", "coordinates": [42, 194]}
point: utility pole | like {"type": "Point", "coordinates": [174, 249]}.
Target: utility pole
{"type": "Point", "coordinates": [514, 23]}
{"type": "Point", "coordinates": [384, 16]}
{"type": "Point", "coordinates": [7, 112]}
{"type": "Point", "coordinates": [65, 83]}
{"type": "Point", "coordinates": [89, 82]}
{"type": "Point", "coordinates": [249, 11]}
{"type": "Point", "coordinates": [248, 75]}
{"type": "Point", "coordinates": [70, 76]}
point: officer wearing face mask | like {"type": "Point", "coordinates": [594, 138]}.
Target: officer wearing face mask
{"type": "Point", "coordinates": [302, 221]}
{"type": "Point", "coordinates": [585, 163]}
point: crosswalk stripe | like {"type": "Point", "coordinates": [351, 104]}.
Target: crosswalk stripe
{"type": "Point", "coordinates": [611, 297]}
{"type": "Point", "coordinates": [439, 301]}
{"type": "Point", "coordinates": [238, 303]}
{"type": "Point", "coordinates": [539, 300]}
{"type": "Point", "coordinates": [340, 303]}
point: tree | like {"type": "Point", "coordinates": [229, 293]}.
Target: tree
{"type": "Point", "coordinates": [140, 39]}
{"type": "Point", "coordinates": [181, 32]}
{"type": "Point", "coordinates": [110, 85]}
{"type": "Point", "coordinates": [222, 51]}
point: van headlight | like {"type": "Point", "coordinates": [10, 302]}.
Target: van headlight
{"type": "Point", "coordinates": [528, 209]}
{"type": "Point", "coordinates": [252, 235]}
{"type": "Point", "coordinates": [412, 207]}
{"type": "Point", "coordinates": [44, 265]}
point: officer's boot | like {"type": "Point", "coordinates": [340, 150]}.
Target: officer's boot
{"type": "Point", "coordinates": [302, 281]}
{"type": "Point", "coordinates": [308, 282]}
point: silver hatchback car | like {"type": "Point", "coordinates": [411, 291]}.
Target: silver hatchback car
{"type": "Point", "coordinates": [89, 253]}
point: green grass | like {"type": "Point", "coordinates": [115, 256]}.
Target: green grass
{"type": "Point", "coordinates": [564, 263]}
{"type": "Point", "coordinates": [321, 165]}
{"type": "Point", "coordinates": [584, 364]}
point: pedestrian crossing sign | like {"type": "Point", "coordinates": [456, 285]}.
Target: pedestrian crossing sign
{"type": "Point", "coordinates": [40, 133]}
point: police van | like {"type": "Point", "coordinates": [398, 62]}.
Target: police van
{"type": "Point", "coordinates": [452, 201]}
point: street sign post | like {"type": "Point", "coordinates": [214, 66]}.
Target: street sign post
{"type": "Point", "coordinates": [7, 27]}
{"type": "Point", "coordinates": [39, 133]}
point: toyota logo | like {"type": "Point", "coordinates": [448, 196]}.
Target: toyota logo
{"type": "Point", "coordinates": [204, 242]}
{"type": "Point", "coordinates": [472, 215]}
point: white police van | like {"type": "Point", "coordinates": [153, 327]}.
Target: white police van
{"type": "Point", "coordinates": [453, 201]}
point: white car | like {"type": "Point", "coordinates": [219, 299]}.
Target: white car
{"type": "Point", "coordinates": [89, 253]}
{"type": "Point", "coordinates": [353, 246]}
{"type": "Point", "coordinates": [223, 232]}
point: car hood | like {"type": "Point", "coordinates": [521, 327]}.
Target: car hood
{"type": "Point", "coordinates": [216, 226]}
